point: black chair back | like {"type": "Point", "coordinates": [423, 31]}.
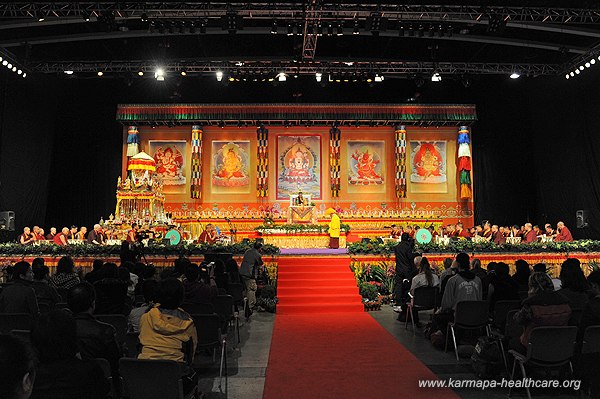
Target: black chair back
{"type": "Point", "coordinates": [208, 329]}
{"type": "Point", "coordinates": [425, 297]}
{"type": "Point", "coordinates": [501, 309]}
{"type": "Point", "coordinates": [150, 379]}
{"type": "Point", "coordinates": [224, 307]}
{"type": "Point", "coordinates": [576, 314]}
{"type": "Point", "coordinates": [471, 314]}
{"type": "Point", "coordinates": [198, 308]}
{"type": "Point", "coordinates": [552, 345]}
{"type": "Point", "coordinates": [591, 340]}
{"type": "Point", "coordinates": [118, 321]}
{"type": "Point", "coordinates": [236, 290]}
{"type": "Point", "coordinates": [15, 321]}
{"type": "Point", "coordinates": [25, 335]}
{"type": "Point", "coordinates": [132, 344]}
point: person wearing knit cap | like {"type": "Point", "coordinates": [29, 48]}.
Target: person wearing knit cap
{"type": "Point", "coordinates": [334, 229]}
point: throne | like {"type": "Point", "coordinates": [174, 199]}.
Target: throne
{"type": "Point", "coordinates": [300, 209]}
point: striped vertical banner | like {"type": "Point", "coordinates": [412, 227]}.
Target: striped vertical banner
{"type": "Point", "coordinates": [262, 162]}
{"type": "Point", "coordinates": [196, 176]}
{"type": "Point", "coordinates": [334, 161]}
{"type": "Point", "coordinates": [464, 162]}
{"type": "Point", "coordinates": [400, 152]}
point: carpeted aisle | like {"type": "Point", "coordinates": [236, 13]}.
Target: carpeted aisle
{"type": "Point", "coordinates": [341, 354]}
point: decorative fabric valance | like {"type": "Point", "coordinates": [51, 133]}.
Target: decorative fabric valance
{"type": "Point", "coordinates": [401, 113]}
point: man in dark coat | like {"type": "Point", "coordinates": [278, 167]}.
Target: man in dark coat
{"type": "Point", "coordinates": [405, 270]}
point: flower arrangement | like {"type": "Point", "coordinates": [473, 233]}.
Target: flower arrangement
{"type": "Point", "coordinates": [374, 247]}
{"type": "Point", "coordinates": [297, 228]}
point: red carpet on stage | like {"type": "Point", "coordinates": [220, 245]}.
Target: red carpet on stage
{"type": "Point", "coordinates": [342, 355]}
{"type": "Point", "coordinates": [316, 285]}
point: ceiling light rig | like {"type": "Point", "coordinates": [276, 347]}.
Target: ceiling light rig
{"type": "Point", "coordinates": [580, 68]}
{"type": "Point", "coordinates": [12, 66]}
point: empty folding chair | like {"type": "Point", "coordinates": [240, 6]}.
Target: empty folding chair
{"type": "Point", "coordinates": [469, 315]}
{"type": "Point", "coordinates": [224, 308]}
{"type": "Point", "coordinates": [105, 366]}
{"type": "Point", "coordinates": [590, 354]}
{"type": "Point", "coordinates": [236, 290]}
{"type": "Point", "coordinates": [152, 379]}
{"type": "Point", "coordinates": [511, 329]}
{"type": "Point", "coordinates": [132, 344]}
{"type": "Point", "coordinates": [210, 336]}
{"type": "Point", "coordinates": [548, 348]}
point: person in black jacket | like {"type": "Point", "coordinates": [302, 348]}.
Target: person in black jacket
{"type": "Point", "coordinates": [405, 271]}
{"type": "Point", "coordinates": [94, 338]}
{"type": "Point", "coordinates": [19, 296]}
{"type": "Point", "coordinates": [17, 368]}
{"type": "Point", "coordinates": [502, 287]}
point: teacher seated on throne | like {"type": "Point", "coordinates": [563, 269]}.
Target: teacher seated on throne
{"type": "Point", "coordinates": [209, 235]}
{"type": "Point", "coordinates": [300, 200]}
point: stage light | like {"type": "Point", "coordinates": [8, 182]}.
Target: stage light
{"type": "Point", "coordinates": [100, 73]}
{"type": "Point", "coordinates": [577, 71]}
{"type": "Point", "coordinates": [24, 75]}
{"type": "Point", "coordinates": [356, 30]}
{"type": "Point", "coordinates": [318, 76]}
{"type": "Point", "coordinates": [141, 73]}
{"type": "Point", "coordinates": [86, 16]}
{"type": "Point", "coordinates": [4, 62]}
{"type": "Point", "coordinates": [9, 66]}
{"type": "Point", "coordinates": [274, 28]}
{"type": "Point", "coordinates": [593, 61]}
{"type": "Point", "coordinates": [281, 77]}
{"type": "Point", "coordinates": [219, 76]}
{"type": "Point", "coordinates": [587, 65]}
{"type": "Point", "coordinates": [581, 67]}
{"type": "Point", "coordinates": [290, 29]}
{"type": "Point", "coordinates": [299, 30]}
{"type": "Point", "coordinates": [572, 73]}
{"type": "Point", "coordinates": [515, 75]}
{"type": "Point", "coordinates": [159, 74]}
{"type": "Point", "coordinates": [69, 72]}
{"type": "Point", "coordinates": [378, 78]}
{"type": "Point", "coordinates": [310, 30]}
{"type": "Point", "coordinates": [567, 76]}
{"type": "Point", "coordinates": [183, 73]}
{"type": "Point", "coordinates": [1, 59]}
{"type": "Point", "coordinates": [144, 17]}
{"type": "Point", "coordinates": [329, 29]}
{"type": "Point", "coordinates": [19, 72]}
{"type": "Point", "coordinates": [221, 124]}
{"type": "Point", "coordinates": [319, 30]}
{"type": "Point", "coordinates": [436, 77]}
{"type": "Point", "coordinates": [340, 29]}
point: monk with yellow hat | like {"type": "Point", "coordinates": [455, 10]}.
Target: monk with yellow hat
{"type": "Point", "coordinates": [334, 228]}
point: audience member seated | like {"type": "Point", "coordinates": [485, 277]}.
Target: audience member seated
{"type": "Point", "coordinates": [233, 271]}
{"type": "Point", "coordinates": [111, 292]}
{"type": "Point", "coordinates": [94, 338]}
{"type": "Point", "coordinates": [452, 271]}
{"type": "Point", "coordinates": [65, 276]}
{"type": "Point", "coordinates": [150, 292]}
{"type": "Point", "coordinates": [179, 267]}
{"type": "Point", "coordinates": [591, 312]}
{"type": "Point", "coordinates": [133, 278]}
{"type": "Point", "coordinates": [543, 307]}
{"type": "Point", "coordinates": [522, 274]}
{"type": "Point", "coordinates": [502, 287]}
{"type": "Point", "coordinates": [44, 293]}
{"type": "Point", "coordinates": [17, 368]}
{"type": "Point", "coordinates": [465, 286]}
{"type": "Point", "coordinates": [541, 267]}
{"type": "Point", "coordinates": [95, 274]}
{"type": "Point", "coordinates": [485, 281]}
{"type": "Point", "coordinates": [19, 296]}
{"type": "Point", "coordinates": [447, 266]}
{"type": "Point", "coordinates": [574, 285]}
{"type": "Point", "coordinates": [197, 291]}
{"type": "Point", "coordinates": [166, 329]}
{"type": "Point", "coordinates": [425, 278]}
{"type": "Point", "coordinates": [61, 374]}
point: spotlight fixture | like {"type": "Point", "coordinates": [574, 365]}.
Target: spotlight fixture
{"type": "Point", "coordinates": [567, 76]}
{"type": "Point", "coordinates": [144, 17]}
{"type": "Point", "coordinates": [310, 30]}
{"type": "Point", "coordinates": [68, 72]}
{"type": "Point", "coordinates": [274, 28]}
{"type": "Point", "coordinates": [4, 62]}
{"type": "Point", "coordinates": [593, 61]}
{"type": "Point", "coordinates": [515, 75]}
{"type": "Point", "coordinates": [581, 67]}
{"type": "Point", "coordinates": [577, 71]}
{"type": "Point", "coordinates": [219, 76]}
{"type": "Point", "coordinates": [14, 69]}
{"type": "Point", "coordinates": [378, 78]}
{"type": "Point", "coordinates": [183, 73]}
{"type": "Point", "coordinates": [436, 77]}
{"type": "Point", "coordinates": [19, 72]}
{"type": "Point", "coordinates": [141, 73]}
{"type": "Point", "coordinates": [281, 77]}
{"type": "Point", "coordinates": [100, 73]}
{"type": "Point", "coordinates": [318, 76]}
{"type": "Point", "coordinates": [329, 29]}
{"type": "Point", "coordinates": [587, 65]}
{"type": "Point", "coordinates": [221, 124]}
{"type": "Point", "coordinates": [9, 66]}
{"type": "Point", "coordinates": [290, 29]}
{"type": "Point", "coordinates": [86, 16]}
{"type": "Point", "coordinates": [319, 30]}
{"type": "Point", "coordinates": [571, 74]}
{"type": "Point", "coordinates": [340, 29]}
{"type": "Point", "coordinates": [159, 74]}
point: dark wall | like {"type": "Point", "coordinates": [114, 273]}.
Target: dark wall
{"type": "Point", "coordinates": [533, 146]}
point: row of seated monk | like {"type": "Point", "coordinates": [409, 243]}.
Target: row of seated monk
{"type": "Point", "coordinates": [528, 233]}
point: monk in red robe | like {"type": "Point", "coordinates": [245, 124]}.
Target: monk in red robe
{"type": "Point", "coordinates": [529, 234]}
{"type": "Point", "coordinates": [461, 232]}
{"type": "Point", "coordinates": [564, 234]}
{"type": "Point", "coordinates": [487, 230]}
{"type": "Point", "coordinates": [496, 235]}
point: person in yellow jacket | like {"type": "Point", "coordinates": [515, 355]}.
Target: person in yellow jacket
{"type": "Point", "coordinates": [334, 229]}
{"type": "Point", "coordinates": [167, 332]}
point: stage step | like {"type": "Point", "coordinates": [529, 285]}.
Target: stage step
{"type": "Point", "coordinates": [309, 275]}
{"type": "Point", "coordinates": [332, 298]}
{"type": "Point", "coordinates": [305, 283]}
{"type": "Point", "coordinates": [316, 290]}
{"type": "Point", "coordinates": [323, 307]}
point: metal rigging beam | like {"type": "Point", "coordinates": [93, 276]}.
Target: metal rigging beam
{"type": "Point", "coordinates": [311, 19]}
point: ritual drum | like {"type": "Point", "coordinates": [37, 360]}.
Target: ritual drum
{"type": "Point", "coordinates": [173, 236]}
{"type": "Point", "coordinates": [423, 236]}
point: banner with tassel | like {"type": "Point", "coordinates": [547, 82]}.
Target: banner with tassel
{"type": "Point", "coordinates": [400, 152]}
{"type": "Point", "coordinates": [196, 175]}
{"type": "Point", "coordinates": [133, 141]}
{"type": "Point", "coordinates": [464, 163]}
{"type": "Point", "coordinates": [262, 162]}
{"type": "Point", "coordinates": [334, 161]}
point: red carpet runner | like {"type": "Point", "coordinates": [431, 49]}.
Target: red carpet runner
{"type": "Point", "coordinates": [316, 285]}
{"type": "Point", "coordinates": [343, 354]}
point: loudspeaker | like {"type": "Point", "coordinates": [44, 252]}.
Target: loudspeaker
{"type": "Point", "coordinates": [7, 220]}
{"type": "Point", "coordinates": [581, 217]}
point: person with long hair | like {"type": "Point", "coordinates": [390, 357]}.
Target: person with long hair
{"type": "Point", "coordinates": [522, 274]}
{"type": "Point", "coordinates": [502, 287]}
{"type": "Point", "coordinates": [425, 278]}
{"type": "Point", "coordinates": [574, 285]}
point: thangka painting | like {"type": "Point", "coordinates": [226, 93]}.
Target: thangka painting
{"type": "Point", "coordinates": [366, 166]}
{"type": "Point", "coordinates": [298, 166]}
{"type": "Point", "coordinates": [230, 166]}
{"type": "Point", "coordinates": [170, 163]}
{"type": "Point", "coordinates": [428, 167]}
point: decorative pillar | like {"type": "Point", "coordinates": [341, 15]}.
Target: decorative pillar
{"type": "Point", "coordinates": [400, 152]}
{"type": "Point", "coordinates": [196, 175]}
{"type": "Point", "coordinates": [133, 141]}
{"type": "Point", "coordinates": [334, 161]}
{"type": "Point", "coordinates": [262, 162]}
{"type": "Point", "coordinates": [464, 162]}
